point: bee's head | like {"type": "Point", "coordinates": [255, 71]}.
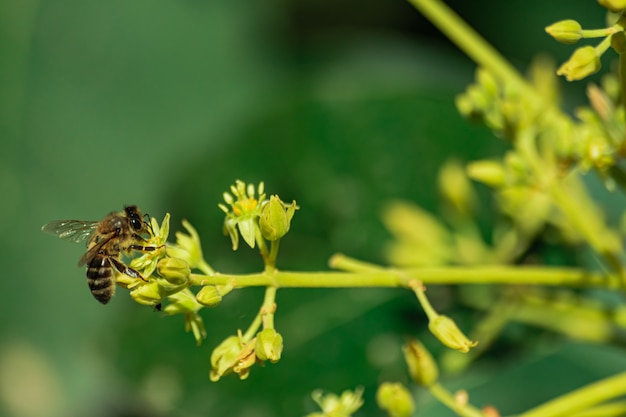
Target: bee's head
{"type": "Point", "coordinates": [134, 218]}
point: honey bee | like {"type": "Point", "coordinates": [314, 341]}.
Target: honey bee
{"type": "Point", "coordinates": [117, 233]}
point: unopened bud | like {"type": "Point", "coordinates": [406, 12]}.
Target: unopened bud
{"type": "Point", "coordinates": [448, 333]}
{"type": "Point", "coordinates": [456, 188]}
{"type": "Point", "coordinates": [422, 366]}
{"type": "Point", "coordinates": [269, 345]}
{"type": "Point", "coordinates": [583, 62]}
{"type": "Point", "coordinates": [395, 399]}
{"type": "Point", "coordinates": [565, 31]}
{"type": "Point", "coordinates": [150, 294]}
{"type": "Point", "coordinates": [276, 218]}
{"type": "Point", "coordinates": [488, 172]}
{"type": "Point", "coordinates": [613, 5]}
{"type": "Point", "coordinates": [209, 296]}
{"type": "Point", "coordinates": [175, 271]}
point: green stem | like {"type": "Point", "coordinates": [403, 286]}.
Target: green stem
{"type": "Point", "coordinates": [581, 399]}
{"type": "Point", "coordinates": [513, 275]}
{"type": "Point", "coordinates": [469, 41]}
{"type": "Point", "coordinates": [447, 399]}
{"type": "Point", "coordinates": [270, 264]}
{"type": "Point", "coordinates": [418, 289]}
{"type": "Point", "coordinates": [269, 307]}
{"type": "Point", "coordinates": [253, 329]}
{"type": "Point", "coordinates": [600, 33]}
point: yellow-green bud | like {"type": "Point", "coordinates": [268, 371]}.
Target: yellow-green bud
{"type": "Point", "coordinates": [182, 302]}
{"type": "Point", "coordinates": [448, 333]}
{"type": "Point", "coordinates": [209, 296]}
{"type": "Point", "coordinates": [565, 31]}
{"type": "Point", "coordinates": [613, 5]}
{"type": "Point", "coordinates": [395, 399]}
{"type": "Point", "coordinates": [456, 188]}
{"type": "Point", "coordinates": [491, 173]}
{"type": "Point", "coordinates": [488, 81]}
{"type": "Point", "coordinates": [150, 294]}
{"type": "Point", "coordinates": [583, 62]}
{"type": "Point", "coordinates": [269, 345]}
{"type": "Point", "coordinates": [422, 366]}
{"type": "Point", "coordinates": [276, 218]}
{"type": "Point", "coordinates": [175, 271]}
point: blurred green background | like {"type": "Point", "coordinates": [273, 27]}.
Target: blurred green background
{"type": "Point", "coordinates": [164, 104]}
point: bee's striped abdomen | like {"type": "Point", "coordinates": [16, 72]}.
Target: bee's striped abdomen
{"type": "Point", "coordinates": [100, 278]}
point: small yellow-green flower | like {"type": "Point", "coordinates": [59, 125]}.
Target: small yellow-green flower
{"type": "Point", "coordinates": [188, 248]}
{"type": "Point", "coordinates": [243, 215]}
{"type": "Point", "coordinates": [333, 405]}
{"type": "Point", "coordinates": [184, 302]}
{"type": "Point", "coordinates": [396, 399]}
{"type": "Point", "coordinates": [147, 263]}
{"type": "Point", "coordinates": [232, 355]}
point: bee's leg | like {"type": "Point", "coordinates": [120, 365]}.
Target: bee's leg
{"type": "Point", "coordinates": [126, 270]}
{"type": "Point", "coordinates": [141, 248]}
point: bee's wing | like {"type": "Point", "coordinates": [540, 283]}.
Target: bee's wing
{"type": "Point", "coordinates": [73, 230]}
{"type": "Point", "coordinates": [91, 253]}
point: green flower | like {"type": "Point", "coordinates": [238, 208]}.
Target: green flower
{"type": "Point", "coordinates": [189, 249]}
{"type": "Point", "coordinates": [147, 262]}
{"type": "Point", "coordinates": [232, 355]}
{"type": "Point", "coordinates": [333, 405]}
{"type": "Point", "coordinates": [184, 302]}
{"type": "Point", "coordinates": [243, 215]}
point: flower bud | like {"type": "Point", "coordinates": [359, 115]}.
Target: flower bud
{"type": "Point", "coordinates": [613, 5]}
{"type": "Point", "coordinates": [565, 31]}
{"type": "Point", "coordinates": [456, 188]}
{"type": "Point", "coordinates": [269, 345]}
{"type": "Point", "coordinates": [583, 62]}
{"type": "Point", "coordinates": [276, 218]}
{"type": "Point", "coordinates": [182, 302]}
{"type": "Point", "coordinates": [448, 333]}
{"type": "Point", "coordinates": [491, 173]}
{"type": "Point", "coordinates": [175, 271]}
{"type": "Point", "coordinates": [422, 366]}
{"type": "Point", "coordinates": [395, 399]}
{"type": "Point", "coordinates": [209, 296]}
{"type": "Point", "coordinates": [150, 294]}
